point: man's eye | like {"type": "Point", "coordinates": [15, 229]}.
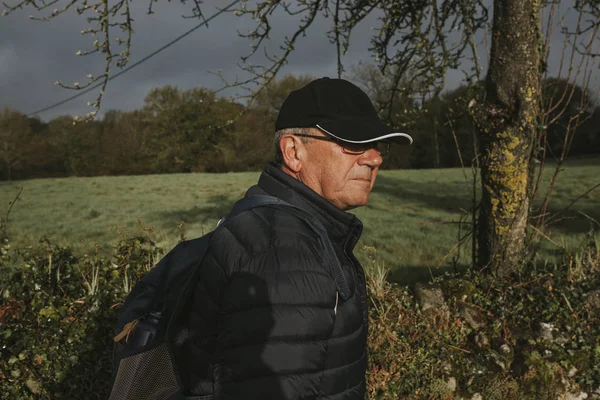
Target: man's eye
{"type": "Point", "coordinates": [357, 148]}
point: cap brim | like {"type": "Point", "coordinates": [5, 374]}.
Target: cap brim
{"type": "Point", "coordinates": [361, 130]}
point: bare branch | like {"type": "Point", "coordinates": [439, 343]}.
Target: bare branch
{"type": "Point", "coordinates": [591, 9]}
{"type": "Point", "coordinates": [336, 31]}
{"type": "Point", "coordinates": [261, 75]}
{"type": "Point", "coordinates": [196, 11]}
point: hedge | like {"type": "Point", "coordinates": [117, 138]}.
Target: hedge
{"type": "Point", "coordinates": [535, 336]}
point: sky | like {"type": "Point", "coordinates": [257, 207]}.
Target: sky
{"type": "Point", "coordinates": [33, 55]}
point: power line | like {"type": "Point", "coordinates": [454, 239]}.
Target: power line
{"type": "Point", "coordinates": [132, 66]}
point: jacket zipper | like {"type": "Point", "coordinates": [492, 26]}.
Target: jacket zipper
{"type": "Point", "coordinates": [336, 302]}
{"type": "Point", "coordinates": [361, 275]}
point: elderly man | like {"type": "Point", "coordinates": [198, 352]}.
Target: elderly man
{"type": "Point", "coordinates": [273, 321]}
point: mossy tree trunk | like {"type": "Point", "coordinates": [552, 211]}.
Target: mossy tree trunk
{"type": "Point", "coordinates": [508, 126]}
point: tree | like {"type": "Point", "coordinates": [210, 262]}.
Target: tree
{"type": "Point", "coordinates": [248, 145]}
{"type": "Point", "coordinates": [17, 141]}
{"type": "Point", "coordinates": [271, 98]}
{"type": "Point", "coordinates": [191, 123]}
{"type": "Point", "coordinates": [426, 39]}
{"type": "Point", "coordinates": [577, 113]}
{"type": "Point", "coordinates": [78, 145]}
{"type": "Point", "coordinates": [397, 107]}
{"type": "Point", "coordinates": [508, 129]}
{"type": "Point", "coordinates": [61, 130]}
{"type": "Point", "coordinates": [128, 148]}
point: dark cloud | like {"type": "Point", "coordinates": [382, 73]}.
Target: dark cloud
{"type": "Point", "coordinates": [34, 54]}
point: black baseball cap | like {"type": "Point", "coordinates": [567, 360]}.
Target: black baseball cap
{"type": "Point", "coordinates": [338, 108]}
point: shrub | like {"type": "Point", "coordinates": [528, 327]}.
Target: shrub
{"type": "Point", "coordinates": [540, 335]}
{"type": "Point", "coordinates": [57, 312]}
{"type": "Point", "coordinates": [56, 317]}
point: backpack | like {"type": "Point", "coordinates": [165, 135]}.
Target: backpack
{"type": "Point", "coordinates": [144, 364]}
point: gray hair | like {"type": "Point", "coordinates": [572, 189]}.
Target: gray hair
{"type": "Point", "coordinates": [288, 131]}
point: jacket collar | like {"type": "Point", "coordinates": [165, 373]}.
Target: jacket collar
{"type": "Point", "coordinates": [340, 225]}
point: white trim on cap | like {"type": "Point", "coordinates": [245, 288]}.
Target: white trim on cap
{"type": "Point", "coordinates": [389, 135]}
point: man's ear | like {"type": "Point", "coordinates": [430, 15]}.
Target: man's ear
{"type": "Point", "coordinates": [293, 152]}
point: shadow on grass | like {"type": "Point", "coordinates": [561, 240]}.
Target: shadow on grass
{"type": "Point", "coordinates": [452, 197]}
{"type": "Point", "coordinates": [218, 207]}
{"type": "Point", "coordinates": [443, 196]}
{"type": "Point", "coordinates": [572, 221]}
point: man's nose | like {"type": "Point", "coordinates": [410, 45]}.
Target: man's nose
{"type": "Point", "coordinates": [371, 157]}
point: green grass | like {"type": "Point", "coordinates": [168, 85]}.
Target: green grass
{"type": "Point", "coordinates": [410, 220]}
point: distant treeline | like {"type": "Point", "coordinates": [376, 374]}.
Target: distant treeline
{"type": "Point", "coordinates": [196, 131]}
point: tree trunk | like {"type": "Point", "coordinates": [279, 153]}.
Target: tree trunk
{"type": "Point", "coordinates": [437, 143]}
{"type": "Point", "coordinates": [507, 129]}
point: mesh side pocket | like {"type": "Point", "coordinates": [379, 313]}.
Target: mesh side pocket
{"type": "Point", "coordinates": [147, 375]}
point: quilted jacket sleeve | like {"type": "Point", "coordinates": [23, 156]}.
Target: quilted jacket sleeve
{"type": "Point", "coordinates": [277, 313]}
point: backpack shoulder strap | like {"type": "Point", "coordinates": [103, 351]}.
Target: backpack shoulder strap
{"type": "Point", "coordinates": [251, 202]}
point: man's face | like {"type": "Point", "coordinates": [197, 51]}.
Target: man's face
{"type": "Point", "coordinates": [344, 179]}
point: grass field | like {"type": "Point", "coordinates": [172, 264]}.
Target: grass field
{"type": "Point", "coordinates": [402, 221]}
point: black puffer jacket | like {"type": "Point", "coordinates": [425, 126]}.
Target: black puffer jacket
{"type": "Point", "coordinates": [267, 321]}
